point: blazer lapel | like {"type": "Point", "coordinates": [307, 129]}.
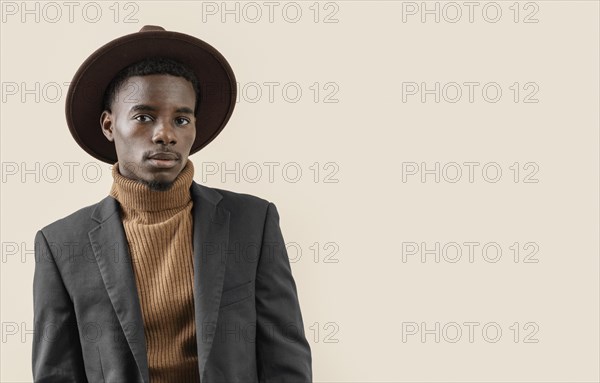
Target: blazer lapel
{"type": "Point", "coordinates": [211, 240]}
{"type": "Point", "coordinates": [210, 243]}
{"type": "Point", "coordinates": [111, 249]}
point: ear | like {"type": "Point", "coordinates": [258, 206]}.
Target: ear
{"type": "Point", "coordinates": [107, 125]}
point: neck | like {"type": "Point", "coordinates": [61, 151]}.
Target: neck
{"type": "Point", "coordinates": [151, 196]}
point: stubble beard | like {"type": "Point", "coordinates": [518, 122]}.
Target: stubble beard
{"type": "Point", "coordinates": [158, 185]}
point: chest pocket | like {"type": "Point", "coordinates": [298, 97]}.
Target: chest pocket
{"type": "Point", "coordinates": [236, 294]}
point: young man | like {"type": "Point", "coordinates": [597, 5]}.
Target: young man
{"type": "Point", "coordinates": [164, 280]}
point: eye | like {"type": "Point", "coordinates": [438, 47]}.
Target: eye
{"type": "Point", "coordinates": [182, 121]}
{"type": "Point", "coordinates": [143, 118]}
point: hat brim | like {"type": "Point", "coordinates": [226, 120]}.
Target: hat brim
{"type": "Point", "coordinates": [218, 87]}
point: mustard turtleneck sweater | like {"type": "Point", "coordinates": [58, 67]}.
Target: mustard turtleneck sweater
{"type": "Point", "coordinates": [158, 226]}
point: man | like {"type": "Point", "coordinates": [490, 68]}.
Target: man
{"type": "Point", "coordinates": [164, 280]}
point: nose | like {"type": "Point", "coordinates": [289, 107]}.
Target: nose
{"type": "Point", "coordinates": [164, 134]}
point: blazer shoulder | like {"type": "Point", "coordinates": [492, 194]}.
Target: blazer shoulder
{"type": "Point", "coordinates": [239, 201]}
{"type": "Point", "coordinates": [77, 222]}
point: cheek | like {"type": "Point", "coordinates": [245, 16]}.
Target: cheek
{"type": "Point", "coordinates": [191, 136]}
{"type": "Point", "coordinates": [126, 138]}
{"type": "Point", "coordinates": [127, 132]}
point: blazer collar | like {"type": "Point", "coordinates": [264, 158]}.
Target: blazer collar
{"type": "Point", "coordinates": [200, 193]}
{"type": "Point", "coordinates": [210, 243]}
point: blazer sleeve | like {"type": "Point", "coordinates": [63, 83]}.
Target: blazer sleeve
{"type": "Point", "coordinates": [56, 350]}
{"type": "Point", "coordinates": [283, 353]}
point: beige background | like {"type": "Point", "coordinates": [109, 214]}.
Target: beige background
{"type": "Point", "coordinates": [360, 312]}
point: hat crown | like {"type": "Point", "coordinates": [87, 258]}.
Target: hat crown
{"type": "Point", "coordinates": [151, 28]}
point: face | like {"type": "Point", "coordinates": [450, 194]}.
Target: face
{"type": "Point", "coordinates": [153, 127]}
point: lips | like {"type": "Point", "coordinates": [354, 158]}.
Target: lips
{"type": "Point", "coordinates": [164, 156]}
{"type": "Point", "coordinates": [163, 160]}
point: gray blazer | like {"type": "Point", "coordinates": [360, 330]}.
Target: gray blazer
{"type": "Point", "coordinates": [87, 315]}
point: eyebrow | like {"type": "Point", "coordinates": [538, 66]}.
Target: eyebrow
{"type": "Point", "coordinates": [148, 108]}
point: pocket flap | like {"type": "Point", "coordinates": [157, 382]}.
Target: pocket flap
{"type": "Point", "coordinates": [236, 294]}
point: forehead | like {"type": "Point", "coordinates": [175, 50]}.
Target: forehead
{"type": "Point", "coordinates": [158, 89]}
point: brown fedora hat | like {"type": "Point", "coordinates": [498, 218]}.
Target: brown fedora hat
{"type": "Point", "coordinates": [217, 82]}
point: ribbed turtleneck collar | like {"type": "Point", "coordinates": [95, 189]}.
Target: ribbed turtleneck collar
{"type": "Point", "coordinates": [135, 195]}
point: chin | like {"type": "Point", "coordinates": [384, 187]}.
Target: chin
{"type": "Point", "coordinates": [161, 179]}
{"type": "Point", "coordinates": [158, 185]}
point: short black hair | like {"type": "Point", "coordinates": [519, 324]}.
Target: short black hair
{"type": "Point", "coordinates": [153, 65]}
